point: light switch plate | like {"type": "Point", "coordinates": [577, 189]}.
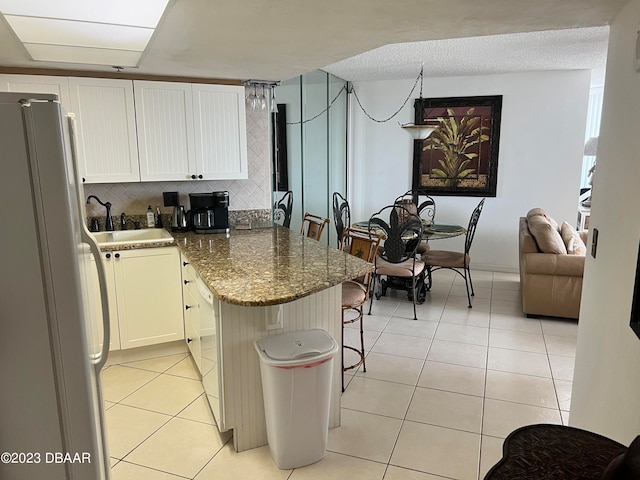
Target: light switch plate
{"type": "Point", "coordinates": [594, 242]}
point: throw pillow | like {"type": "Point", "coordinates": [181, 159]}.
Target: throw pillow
{"type": "Point", "coordinates": [539, 211]}
{"type": "Point", "coordinates": [572, 240]}
{"type": "Point", "coordinates": [546, 236]}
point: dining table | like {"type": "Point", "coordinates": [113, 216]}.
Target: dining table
{"type": "Point", "coordinates": [431, 231]}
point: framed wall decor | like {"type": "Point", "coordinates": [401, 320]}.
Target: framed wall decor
{"type": "Point", "coordinates": [461, 155]}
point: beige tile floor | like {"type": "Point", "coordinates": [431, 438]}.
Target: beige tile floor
{"type": "Point", "coordinates": [439, 396]}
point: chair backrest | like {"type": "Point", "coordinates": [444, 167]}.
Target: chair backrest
{"type": "Point", "coordinates": [282, 210]}
{"type": "Point", "coordinates": [403, 230]}
{"type": "Point", "coordinates": [363, 245]}
{"type": "Point", "coordinates": [313, 226]}
{"type": "Point", "coordinates": [425, 205]}
{"type": "Point", "coordinates": [473, 223]}
{"type": "Point", "coordinates": [341, 215]}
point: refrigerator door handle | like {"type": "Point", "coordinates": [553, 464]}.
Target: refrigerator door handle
{"type": "Point", "coordinates": [95, 251]}
{"type": "Point", "coordinates": [104, 299]}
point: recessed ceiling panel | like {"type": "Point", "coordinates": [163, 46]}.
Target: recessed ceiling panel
{"type": "Point", "coordinates": [141, 13]}
{"type": "Point", "coordinates": [68, 32]}
{"type": "Point", "coordinates": [91, 56]}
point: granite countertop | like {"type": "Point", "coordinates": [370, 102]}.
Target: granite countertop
{"type": "Point", "coordinates": [267, 266]}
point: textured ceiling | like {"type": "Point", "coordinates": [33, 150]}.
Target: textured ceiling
{"type": "Point", "coordinates": [279, 39]}
{"type": "Point", "coordinates": [584, 48]}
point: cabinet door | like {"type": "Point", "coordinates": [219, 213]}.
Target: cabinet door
{"type": "Point", "coordinates": [192, 327]}
{"type": "Point", "coordinates": [149, 296]}
{"type": "Point", "coordinates": [95, 305]}
{"type": "Point", "coordinates": [107, 144]}
{"type": "Point", "coordinates": [220, 131]}
{"type": "Point", "coordinates": [114, 321]}
{"type": "Point", "coordinates": [164, 121]}
{"type": "Point", "coordinates": [37, 84]}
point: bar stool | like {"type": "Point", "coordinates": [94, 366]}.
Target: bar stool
{"type": "Point", "coordinates": [355, 293]}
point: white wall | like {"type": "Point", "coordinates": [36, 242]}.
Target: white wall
{"type": "Point", "coordinates": [540, 159]}
{"type": "Point", "coordinates": [606, 384]}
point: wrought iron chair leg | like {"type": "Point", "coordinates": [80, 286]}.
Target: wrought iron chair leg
{"type": "Point", "coordinates": [364, 364]}
{"type": "Point", "coordinates": [372, 292]}
{"type": "Point", "coordinates": [466, 282]}
{"type": "Point", "coordinates": [428, 283]}
{"type": "Point", "coordinates": [470, 282]}
{"type": "Point", "coordinates": [415, 294]}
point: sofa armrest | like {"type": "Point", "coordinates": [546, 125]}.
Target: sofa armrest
{"type": "Point", "coordinates": [584, 234]}
{"type": "Point", "coordinates": [552, 264]}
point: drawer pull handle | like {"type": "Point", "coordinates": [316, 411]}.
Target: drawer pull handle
{"type": "Point", "coordinates": [189, 340]}
{"type": "Point", "coordinates": [184, 264]}
{"type": "Point", "coordinates": [187, 307]}
{"type": "Point", "coordinates": [187, 281]}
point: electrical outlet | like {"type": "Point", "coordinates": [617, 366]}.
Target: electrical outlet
{"type": "Point", "coordinates": [274, 317]}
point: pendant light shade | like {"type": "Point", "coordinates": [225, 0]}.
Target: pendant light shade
{"type": "Point", "coordinates": [418, 132]}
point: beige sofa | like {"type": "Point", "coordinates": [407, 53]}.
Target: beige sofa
{"type": "Point", "coordinates": [551, 283]}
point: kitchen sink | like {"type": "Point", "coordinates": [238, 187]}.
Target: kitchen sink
{"type": "Point", "coordinates": [127, 237]}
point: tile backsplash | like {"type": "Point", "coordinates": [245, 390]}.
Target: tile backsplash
{"type": "Point", "coordinates": [251, 194]}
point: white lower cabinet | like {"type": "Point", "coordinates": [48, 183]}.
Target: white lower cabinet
{"type": "Point", "coordinates": [202, 333]}
{"type": "Point", "coordinates": [192, 327]}
{"type": "Point", "coordinates": [96, 307]}
{"type": "Point", "coordinates": [144, 285]}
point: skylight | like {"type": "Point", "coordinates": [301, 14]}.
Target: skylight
{"type": "Point", "coordinates": [84, 31]}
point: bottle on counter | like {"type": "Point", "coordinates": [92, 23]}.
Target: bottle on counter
{"type": "Point", "coordinates": [158, 218]}
{"type": "Point", "coordinates": [151, 220]}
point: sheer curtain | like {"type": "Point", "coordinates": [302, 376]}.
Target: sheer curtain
{"type": "Point", "coordinates": [593, 129]}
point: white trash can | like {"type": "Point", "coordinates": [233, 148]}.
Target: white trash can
{"type": "Point", "coordinates": [297, 372]}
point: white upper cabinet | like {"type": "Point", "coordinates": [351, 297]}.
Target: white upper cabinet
{"type": "Point", "coordinates": [37, 84]}
{"type": "Point", "coordinates": [164, 120]}
{"type": "Point", "coordinates": [220, 131]}
{"type": "Point", "coordinates": [132, 131]}
{"type": "Point", "coordinates": [106, 140]}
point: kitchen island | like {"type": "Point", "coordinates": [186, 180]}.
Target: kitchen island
{"type": "Point", "coordinates": [264, 281]}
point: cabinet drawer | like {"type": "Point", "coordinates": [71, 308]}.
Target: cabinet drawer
{"type": "Point", "coordinates": [193, 342]}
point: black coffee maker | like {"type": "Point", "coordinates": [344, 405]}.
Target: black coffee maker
{"type": "Point", "coordinates": [210, 212]}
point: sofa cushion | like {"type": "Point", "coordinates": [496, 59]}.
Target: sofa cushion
{"type": "Point", "coordinates": [539, 211]}
{"type": "Point", "coordinates": [547, 237]}
{"type": "Point", "coordinates": [572, 240]}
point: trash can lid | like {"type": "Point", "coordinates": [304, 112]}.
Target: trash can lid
{"type": "Point", "coordinates": [297, 345]}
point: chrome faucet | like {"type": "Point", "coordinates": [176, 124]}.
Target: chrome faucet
{"type": "Point", "coordinates": [109, 222]}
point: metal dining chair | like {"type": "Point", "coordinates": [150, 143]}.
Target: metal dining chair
{"type": "Point", "coordinates": [355, 293]}
{"type": "Point", "coordinates": [282, 210]}
{"type": "Point", "coordinates": [398, 261]}
{"type": "Point", "coordinates": [459, 262]}
{"type": "Point", "coordinates": [313, 226]}
{"type": "Point", "coordinates": [341, 215]}
{"type": "Point", "coordinates": [425, 207]}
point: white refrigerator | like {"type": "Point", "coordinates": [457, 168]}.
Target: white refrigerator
{"type": "Point", "coordinates": [51, 348]}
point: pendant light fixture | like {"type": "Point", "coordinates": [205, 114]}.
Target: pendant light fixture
{"type": "Point", "coordinates": [419, 131]}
